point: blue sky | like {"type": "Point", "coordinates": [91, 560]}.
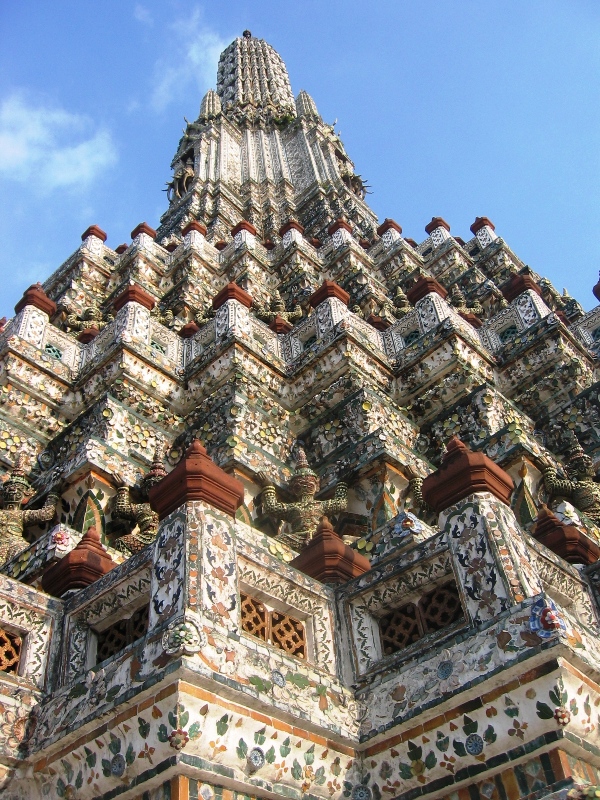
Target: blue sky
{"type": "Point", "coordinates": [453, 108]}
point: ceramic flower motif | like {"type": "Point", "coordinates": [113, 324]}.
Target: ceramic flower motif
{"type": "Point", "coordinates": [178, 738]}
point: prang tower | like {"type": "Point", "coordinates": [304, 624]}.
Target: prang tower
{"type": "Point", "coordinates": [292, 505]}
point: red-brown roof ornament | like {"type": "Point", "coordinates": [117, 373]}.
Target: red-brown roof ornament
{"type": "Point", "coordinates": [567, 541]}
{"type": "Point", "coordinates": [197, 477]}
{"type": "Point", "coordinates": [328, 289]}
{"type": "Point", "coordinates": [94, 230]}
{"type": "Point", "coordinates": [519, 283]}
{"type": "Point", "coordinates": [425, 285]}
{"type": "Point", "coordinates": [232, 292]}
{"type": "Point", "coordinates": [36, 296]}
{"type": "Point", "coordinates": [327, 559]}
{"type": "Point", "coordinates": [464, 472]}
{"type": "Point", "coordinates": [84, 565]}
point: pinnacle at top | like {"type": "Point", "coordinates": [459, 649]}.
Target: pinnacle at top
{"type": "Point", "coordinates": [252, 73]}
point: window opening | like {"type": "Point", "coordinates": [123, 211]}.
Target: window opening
{"type": "Point", "coordinates": [160, 348]}
{"type": "Point", "coordinates": [434, 611]}
{"type": "Point", "coordinates": [280, 630]}
{"type": "Point", "coordinates": [508, 333]}
{"type": "Point", "coordinates": [288, 634]}
{"type": "Point", "coordinates": [411, 337]}
{"type": "Point", "coordinates": [122, 633]}
{"type": "Point", "coordinates": [254, 617]}
{"type": "Point", "coordinates": [10, 651]}
{"type": "Point", "coordinates": [53, 351]}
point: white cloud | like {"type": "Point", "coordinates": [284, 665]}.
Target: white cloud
{"type": "Point", "coordinates": [50, 148]}
{"type": "Point", "coordinates": [196, 49]}
{"type": "Point", "coordinates": [142, 15]}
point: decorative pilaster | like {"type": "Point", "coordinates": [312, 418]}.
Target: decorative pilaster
{"type": "Point", "coordinates": [92, 240]}
{"type": "Point", "coordinates": [33, 312]}
{"type": "Point", "coordinates": [292, 231]}
{"type": "Point", "coordinates": [194, 579]}
{"type": "Point", "coordinates": [491, 558]}
{"type": "Point", "coordinates": [484, 230]}
{"type": "Point", "coordinates": [340, 232]}
{"type": "Point", "coordinates": [194, 235]}
{"type": "Point", "coordinates": [244, 233]}
{"type": "Point", "coordinates": [439, 231]}
{"type": "Point", "coordinates": [390, 232]}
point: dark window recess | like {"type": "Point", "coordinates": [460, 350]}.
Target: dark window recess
{"type": "Point", "coordinates": [435, 611]}
{"type": "Point", "coordinates": [10, 651]}
{"type": "Point", "coordinates": [399, 629]}
{"type": "Point", "coordinates": [126, 631]}
{"type": "Point", "coordinates": [411, 337]}
{"type": "Point", "coordinates": [508, 333]}
{"type": "Point", "coordinates": [278, 629]}
{"type": "Point", "coordinates": [596, 334]}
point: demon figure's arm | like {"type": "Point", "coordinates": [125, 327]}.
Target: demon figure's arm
{"type": "Point", "coordinates": [295, 314]}
{"type": "Point", "coordinates": [556, 485]}
{"type": "Point", "coordinates": [415, 485]}
{"type": "Point", "coordinates": [271, 504]}
{"type": "Point", "coordinates": [123, 508]}
{"type": "Point", "coordinates": [43, 514]}
{"type": "Point", "coordinates": [339, 501]}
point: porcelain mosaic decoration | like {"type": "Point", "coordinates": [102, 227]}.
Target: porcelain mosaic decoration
{"type": "Point", "coordinates": [294, 506]}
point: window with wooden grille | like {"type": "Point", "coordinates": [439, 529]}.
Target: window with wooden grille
{"type": "Point", "coordinates": [271, 626]}
{"type": "Point", "coordinates": [122, 633]}
{"type": "Point", "coordinates": [434, 611]}
{"type": "Point", "coordinates": [11, 645]}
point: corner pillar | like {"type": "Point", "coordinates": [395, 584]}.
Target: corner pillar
{"type": "Point", "coordinates": [194, 574]}
{"type": "Point", "coordinates": [491, 559]}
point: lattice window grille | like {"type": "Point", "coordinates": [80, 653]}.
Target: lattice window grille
{"type": "Point", "coordinates": [139, 623]}
{"type": "Point", "coordinates": [434, 611]}
{"type": "Point", "coordinates": [121, 634]}
{"type": "Point", "coordinates": [11, 645]}
{"type": "Point", "coordinates": [508, 334]}
{"type": "Point", "coordinates": [440, 608]}
{"type": "Point", "coordinates": [112, 640]}
{"type": "Point", "coordinates": [254, 617]}
{"type": "Point", "coordinates": [411, 337]}
{"type": "Point", "coordinates": [400, 628]}
{"type": "Point", "coordinates": [288, 634]}
{"type": "Point", "coordinates": [279, 629]}
{"type": "Point", "coordinates": [53, 351]}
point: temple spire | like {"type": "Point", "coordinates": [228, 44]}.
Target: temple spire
{"type": "Point", "coordinates": [252, 73]}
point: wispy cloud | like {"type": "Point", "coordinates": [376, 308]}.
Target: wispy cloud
{"type": "Point", "coordinates": [143, 15]}
{"type": "Point", "coordinates": [50, 148]}
{"type": "Point", "coordinates": [196, 49]}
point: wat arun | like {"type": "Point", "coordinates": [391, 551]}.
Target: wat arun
{"type": "Point", "coordinates": [294, 506]}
